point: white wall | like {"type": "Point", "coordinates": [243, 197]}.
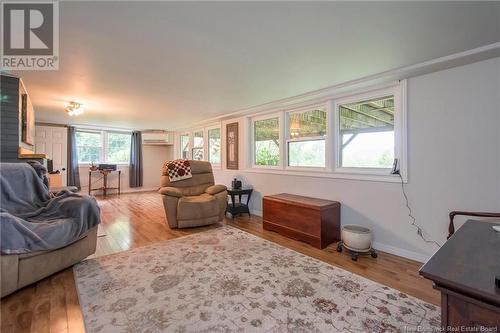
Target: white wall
{"type": "Point", "coordinates": [453, 156]}
{"type": "Point", "coordinates": [153, 158]}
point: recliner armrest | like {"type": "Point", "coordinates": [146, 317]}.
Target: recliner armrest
{"type": "Point", "coordinates": [170, 191]}
{"type": "Point", "coordinates": [214, 189]}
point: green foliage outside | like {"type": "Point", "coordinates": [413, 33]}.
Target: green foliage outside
{"type": "Point", "coordinates": [266, 134]}
{"type": "Point", "coordinates": [89, 147]}
{"type": "Point", "coordinates": [266, 153]}
{"type": "Point", "coordinates": [214, 150]}
{"type": "Point", "coordinates": [214, 145]}
{"type": "Point", "coordinates": [307, 153]}
{"type": "Point", "coordinates": [118, 148]}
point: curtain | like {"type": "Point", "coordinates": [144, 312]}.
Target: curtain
{"type": "Point", "coordinates": [135, 164]}
{"type": "Point", "coordinates": [73, 172]}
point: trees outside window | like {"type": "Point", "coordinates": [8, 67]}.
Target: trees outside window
{"type": "Point", "coordinates": [266, 141]}
{"type": "Point", "coordinates": [89, 146]}
{"type": "Point", "coordinates": [197, 150]}
{"type": "Point", "coordinates": [306, 132]}
{"type": "Point", "coordinates": [102, 147]}
{"type": "Point", "coordinates": [214, 145]}
{"type": "Point", "coordinates": [118, 147]}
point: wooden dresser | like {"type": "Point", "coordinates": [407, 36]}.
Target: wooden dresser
{"type": "Point", "coordinates": [464, 270]}
{"type": "Point", "coordinates": [315, 221]}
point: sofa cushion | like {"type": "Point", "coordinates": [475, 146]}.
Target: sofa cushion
{"type": "Point", "coordinates": [197, 207]}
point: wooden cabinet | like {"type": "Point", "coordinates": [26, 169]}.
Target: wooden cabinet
{"type": "Point", "coordinates": [461, 310]}
{"type": "Point", "coordinates": [55, 180]}
{"type": "Point", "coordinates": [464, 271]}
{"type": "Point", "coordinates": [315, 221]}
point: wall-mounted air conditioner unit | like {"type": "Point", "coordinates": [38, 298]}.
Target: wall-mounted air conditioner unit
{"type": "Point", "coordinates": [157, 138]}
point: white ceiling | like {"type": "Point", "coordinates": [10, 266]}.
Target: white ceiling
{"type": "Point", "coordinates": [167, 65]}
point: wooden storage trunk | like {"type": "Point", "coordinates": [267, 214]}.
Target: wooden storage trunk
{"type": "Point", "coordinates": [315, 221]}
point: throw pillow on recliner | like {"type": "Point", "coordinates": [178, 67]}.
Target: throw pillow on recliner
{"type": "Point", "coordinates": [178, 170]}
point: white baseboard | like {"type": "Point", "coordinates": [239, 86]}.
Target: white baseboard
{"type": "Point", "coordinates": [401, 252]}
{"type": "Point", "coordinates": [140, 189]}
{"type": "Point", "coordinates": [256, 212]}
{"type": "Point", "coordinates": [384, 247]}
{"type": "Point", "coordinates": [124, 191]}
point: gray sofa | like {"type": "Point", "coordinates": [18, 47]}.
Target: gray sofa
{"type": "Point", "coordinates": [40, 233]}
{"type": "Point", "coordinates": [20, 270]}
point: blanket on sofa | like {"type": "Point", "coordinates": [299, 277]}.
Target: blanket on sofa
{"type": "Point", "coordinates": [31, 220]}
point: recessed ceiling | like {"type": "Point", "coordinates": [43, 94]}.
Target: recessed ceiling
{"type": "Point", "coordinates": [167, 65]}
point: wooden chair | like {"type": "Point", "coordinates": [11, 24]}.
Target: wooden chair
{"type": "Point", "coordinates": [451, 227]}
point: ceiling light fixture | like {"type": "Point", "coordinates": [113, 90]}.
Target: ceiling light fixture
{"type": "Point", "coordinates": [74, 108]}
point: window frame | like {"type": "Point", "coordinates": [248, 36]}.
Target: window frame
{"type": "Point", "coordinates": [203, 147]}
{"type": "Point", "coordinates": [399, 131]}
{"type": "Point", "coordinates": [103, 156]}
{"type": "Point", "coordinates": [281, 129]}
{"type": "Point", "coordinates": [188, 134]}
{"type": "Point", "coordinates": [287, 139]}
{"type": "Point", "coordinates": [332, 101]}
{"type": "Point", "coordinates": [105, 150]}
{"type": "Point", "coordinates": [208, 129]}
{"type": "Point", "coordinates": [101, 153]}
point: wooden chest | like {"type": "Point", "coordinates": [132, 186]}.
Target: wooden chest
{"type": "Point", "coordinates": [315, 221]}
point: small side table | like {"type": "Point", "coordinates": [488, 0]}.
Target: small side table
{"type": "Point", "coordinates": [237, 208]}
{"type": "Point", "coordinates": [104, 188]}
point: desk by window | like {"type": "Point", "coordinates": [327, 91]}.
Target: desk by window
{"type": "Point", "coordinates": [104, 188]}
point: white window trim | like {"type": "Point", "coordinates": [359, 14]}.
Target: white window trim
{"type": "Point", "coordinates": [202, 130]}
{"type": "Point", "coordinates": [280, 116]}
{"type": "Point", "coordinates": [399, 90]}
{"type": "Point", "coordinates": [287, 139]}
{"type": "Point", "coordinates": [207, 129]}
{"type": "Point", "coordinates": [399, 130]}
{"type": "Point", "coordinates": [104, 146]}
{"type": "Point", "coordinates": [189, 145]}
{"type": "Point", "coordinates": [328, 174]}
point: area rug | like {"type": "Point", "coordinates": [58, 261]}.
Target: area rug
{"type": "Point", "coordinates": [227, 280]}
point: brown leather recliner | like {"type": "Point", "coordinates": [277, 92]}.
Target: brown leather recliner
{"type": "Point", "coordinates": [195, 201]}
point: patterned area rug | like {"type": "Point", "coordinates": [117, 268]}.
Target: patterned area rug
{"type": "Point", "coordinates": [227, 280]}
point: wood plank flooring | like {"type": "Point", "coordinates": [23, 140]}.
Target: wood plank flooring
{"type": "Point", "coordinates": [133, 220]}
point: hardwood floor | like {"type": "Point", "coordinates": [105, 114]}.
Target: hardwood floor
{"type": "Point", "coordinates": [133, 220]}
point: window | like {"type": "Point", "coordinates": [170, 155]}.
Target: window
{"type": "Point", "coordinates": [366, 134]}
{"type": "Point", "coordinates": [102, 147]}
{"type": "Point", "coordinates": [306, 132]}
{"type": "Point", "coordinates": [197, 151]}
{"type": "Point", "coordinates": [118, 147]}
{"type": "Point", "coordinates": [89, 146]}
{"type": "Point", "coordinates": [266, 135]}
{"type": "Point", "coordinates": [184, 141]}
{"type": "Point", "coordinates": [214, 146]}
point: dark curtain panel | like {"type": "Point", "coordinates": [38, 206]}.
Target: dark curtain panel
{"type": "Point", "coordinates": [135, 164]}
{"type": "Point", "coordinates": [73, 172]}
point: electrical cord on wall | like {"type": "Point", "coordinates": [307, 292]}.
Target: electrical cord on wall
{"type": "Point", "coordinates": [420, 230]}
